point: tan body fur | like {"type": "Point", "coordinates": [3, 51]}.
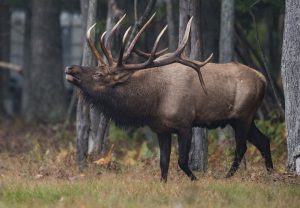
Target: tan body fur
{"type": "Point", "coordinates": [234, 92]}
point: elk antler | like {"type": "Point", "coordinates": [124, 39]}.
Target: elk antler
{"type": "Point", "coordinates": [124, 42]}
{"type": "Point", "coordinates": [146, 55]}
{"type": "Point", "coordinates": [152, 60]}
{"type": "Point", "coordinates": [106, 45]}
{"type": "Point", "coordinates": [169, 58]}
{"type": "Point", "coordinates": [135, 39]}
{"type": "Point", "coordinates": [93, 48]}
{"type": "Point", "coordinates": [121, 66]}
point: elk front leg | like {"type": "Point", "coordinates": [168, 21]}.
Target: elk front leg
{"type": "Point", "coordinates": [164, 141]}
{"type": "Point", "coordinates": [184, 143]}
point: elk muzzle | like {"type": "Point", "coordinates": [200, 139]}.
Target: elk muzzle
{"type": "Point", "coordinates": [72, 73]}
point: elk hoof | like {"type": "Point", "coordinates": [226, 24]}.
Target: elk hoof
{"type": "Point", "coordinates": [194, 178]}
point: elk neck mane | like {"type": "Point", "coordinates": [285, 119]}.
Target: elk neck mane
{"type": "Point", "coordinates": [115, 105]}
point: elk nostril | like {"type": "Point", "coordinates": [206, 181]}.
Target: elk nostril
{"type": "Point", "coordinates": [68, 69]}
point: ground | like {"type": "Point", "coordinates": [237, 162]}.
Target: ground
{"type": "Point", "coordinates": [38, 169]}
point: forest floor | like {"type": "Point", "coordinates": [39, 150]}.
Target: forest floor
{"type": "Point", "coordinates": [38, 169]}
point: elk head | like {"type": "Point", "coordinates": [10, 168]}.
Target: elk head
{"type": "Point", "coordinates": [95, 79]}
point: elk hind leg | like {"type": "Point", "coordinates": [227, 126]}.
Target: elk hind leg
{"type": "Point", "coordinates": [262, 143]}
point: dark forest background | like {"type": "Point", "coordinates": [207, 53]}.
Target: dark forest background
{"type": "Point", "coordinates": [39, 38]}
{"type": "Point", "coordinates": [37, 95]}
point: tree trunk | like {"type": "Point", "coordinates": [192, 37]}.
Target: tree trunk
{"type": "Point", "coordinates": [210, 14]}
{"type": "Point", "coordinates": [98, 135]}
{"type": "Point", "coordinates": [110, 19]}
{"type": "Point", "coordinates": [199, 150]}
{"type": "Point", "coordinates": [143, 18]}
{"type": "Point", "coordinates": [99, 123]}
{"type": "Point", "coordinates": [226, 48]}
{"type": "Point", "coordinates": [171, 26]}
{"type": "Point", "coordinates": [290, 65]}
{"type": "Point", "coordinates": [196, 32]}
{"type": "Point", "coordinates": [46, 97]}
{"type": "Point", "coordinates": [83, 122]}
{"type": "Point", "coordinates": [26, 61]}
{"type": "Point", "coordinates": [92, 126]}
{"type": "Point", "coordinates": [82, 131]}
{"type": "Point", "coordinates": [4, 54]}
{"type": "Point", "coordinates": [183, 19]}
{"type": "Point", "coordinates": [199, 147]}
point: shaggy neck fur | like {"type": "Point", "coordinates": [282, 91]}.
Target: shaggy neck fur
{"type": "Point", "coordinates": [115, 104]}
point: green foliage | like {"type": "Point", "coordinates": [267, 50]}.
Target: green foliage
{"type": "Point", "coordinates": [133, 144]}
{"type": "Point", "coordinates": [117, 134]}
{"type": "Point", "coordinates": [244, 5]}
{"type": "Point", "coordinates": [247, 5]}
{"type": "Point", "coordinates": [276, 131]}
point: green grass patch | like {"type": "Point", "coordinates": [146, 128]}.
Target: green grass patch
{"type": "Point", "coordinates": [126, 190]}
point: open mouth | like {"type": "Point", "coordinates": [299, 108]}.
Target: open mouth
{"type": "Point", "coordinates": [72, 78]}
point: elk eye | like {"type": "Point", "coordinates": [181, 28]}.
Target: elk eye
{"type": "Point", "coordinates": [99, 74]}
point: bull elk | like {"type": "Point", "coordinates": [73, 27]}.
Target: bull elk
{"type": "Point", "coordinates": [165, 94]}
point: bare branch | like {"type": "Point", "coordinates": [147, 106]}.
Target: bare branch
{"type": "Point", "coordinates": [10, 66]}
{"type": "Point", "coordinates": [142, 19]}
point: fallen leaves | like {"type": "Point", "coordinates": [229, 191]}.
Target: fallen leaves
{"type": "Point", "coordinates": [107, 159]}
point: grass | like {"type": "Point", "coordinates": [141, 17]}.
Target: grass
{"type": "Point", "coordinates": [38, 169]}
{"type": "Point", "coordinates": [130, 190]}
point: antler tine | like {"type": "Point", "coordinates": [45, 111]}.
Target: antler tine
{"type": "Point", "coordinates": [146, 63]}
{"type": "Point", "coordinates": [104, 49]}
{"type": "Point", "coordinates": [93, 48]}
{"type": "Point", "coordinates": [155, 46]}
{"type": "Point", "coordinates": [106, 45]}
{"type": "Point", "coordinates": [177, 56]}
{"type": "Point", "coordinates": [146, 55]}
{"type": "Point", "coordinates": [113, 30]}
{"type": "Point", "coordinates": [185, 38]}
{"type": "Point", "coordinates": [132, 44]}
{"type": "Point", "coordinates": [196, 65]}
{"type": "Point", "coordinates": [124, 41]}
{"type": "Point", "coordinates": [199, 63]}
{"type": "Point", "coordinates": [208, 59]}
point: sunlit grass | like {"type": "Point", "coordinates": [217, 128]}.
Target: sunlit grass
{"type": "Point", "coordinates": [127, 190]}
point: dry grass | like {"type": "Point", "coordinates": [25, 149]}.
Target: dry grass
{"type": "Point", "coordinates": [38, 169]}
{"type": "Point", "coordinates": [137, 187]}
